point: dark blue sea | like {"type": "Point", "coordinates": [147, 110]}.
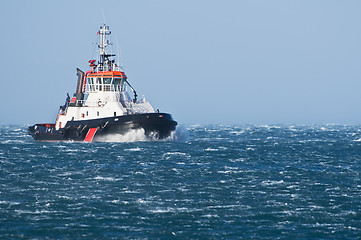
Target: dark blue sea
{"type": "Point", "coordinates": [204, 182]}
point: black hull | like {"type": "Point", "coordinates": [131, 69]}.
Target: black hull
{"type": "Point", "coordinates": [159, 125]}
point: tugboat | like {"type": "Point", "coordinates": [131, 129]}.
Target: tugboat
{"type": "Point", "coordinates": [102, 105]}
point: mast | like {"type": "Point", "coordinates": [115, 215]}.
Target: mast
{"type": "Point", "coordinates": [105, 64]}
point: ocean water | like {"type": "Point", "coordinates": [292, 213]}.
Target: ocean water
{"type": "Point", "coordinates": [204, 182]}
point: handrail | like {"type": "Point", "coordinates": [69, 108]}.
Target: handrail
{"type": "Point", "coordinates": [102, 87]}
{"type": "Point", "coordinates": [135, 93]}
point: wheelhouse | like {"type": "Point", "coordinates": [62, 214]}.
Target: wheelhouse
{"type": "Point", "coordinates": [111, 81]}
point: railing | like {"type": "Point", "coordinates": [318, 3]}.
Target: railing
{"type": "Point", "coordinates": [105, 67]}
{"type": "Point", "coordinates": [102, 87]}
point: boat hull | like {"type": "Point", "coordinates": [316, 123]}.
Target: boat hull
{"type": "Point", "coordinates": [157, 125]}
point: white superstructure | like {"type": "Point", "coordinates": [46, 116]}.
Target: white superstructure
{"type": "Point", "coordinates": [102, 91]}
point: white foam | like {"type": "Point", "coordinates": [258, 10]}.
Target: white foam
{"type": "Point", "coordinates": [64, 197]}
{"type": "Point", "coordinates": [211, 149]}
{"type": "Point", "coordinates": [169, 155]}
{"type": "Point", "coordinates": [134, 135]}
{"type": "Point", "coordinates": [35, 212]}
{"type": "Point", "coordinates": [181, 134]}
{"type": "Point", "coordinates": [270, 182]}
{"type": "Point", "coordinates": [12, 141]}
{"type": "Point", "coordinates": [170, 210]}
{"type": "Point", "coordinates": [105, 178]}
{"type": "Point", "coordinates": [237, 132]}
{"type": "Point", "coordinates": [137, 149]}
{"type": "Point", "coordinates": [210, 216]}
{"type": "Point", "coordinates": [175, 153]}
{"type": "Point", "coordinates": [141, 201]}
{"type": "Point", "coordinates": [10, 203]}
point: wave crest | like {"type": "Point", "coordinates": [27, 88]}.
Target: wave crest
{"type": "Point", "coordinates": [181, 134]}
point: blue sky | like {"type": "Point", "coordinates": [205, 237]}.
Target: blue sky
{"type": "Point", "coordinates": [226, 62]}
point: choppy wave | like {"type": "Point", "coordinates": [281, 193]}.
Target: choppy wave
{"type": "Point", "coordinates": [203, 182]}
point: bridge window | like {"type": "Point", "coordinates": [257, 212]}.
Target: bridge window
{"type": "Point", "coordinates": [107, 80]}
{"type": "Point", "coordinates": [107, 84]}
{"type": "Point", "coordinates": [99, 84]}
{"type": "Point", "coordinates": [123, 86]}
{"type": "Point", "coordinates": [117, 84]}
{"type": "Point", "coordinates": [90, 86]}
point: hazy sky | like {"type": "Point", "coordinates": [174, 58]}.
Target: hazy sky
{"type": "Point", "coordinates": [228, 62]}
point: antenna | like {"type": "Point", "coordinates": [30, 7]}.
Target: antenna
{"type": "Point", "coordinates": [120, 64]}
{"type": "Point", "coordinates": [103, 16]}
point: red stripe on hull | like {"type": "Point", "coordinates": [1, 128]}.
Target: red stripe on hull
{"type": "Point", "coordinates": [89, 136]}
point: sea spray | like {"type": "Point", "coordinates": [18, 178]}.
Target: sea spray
{"type": "Point", "coordinates": [133, 135]}
{"type": "Point", "coordinates": [181, 134]}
